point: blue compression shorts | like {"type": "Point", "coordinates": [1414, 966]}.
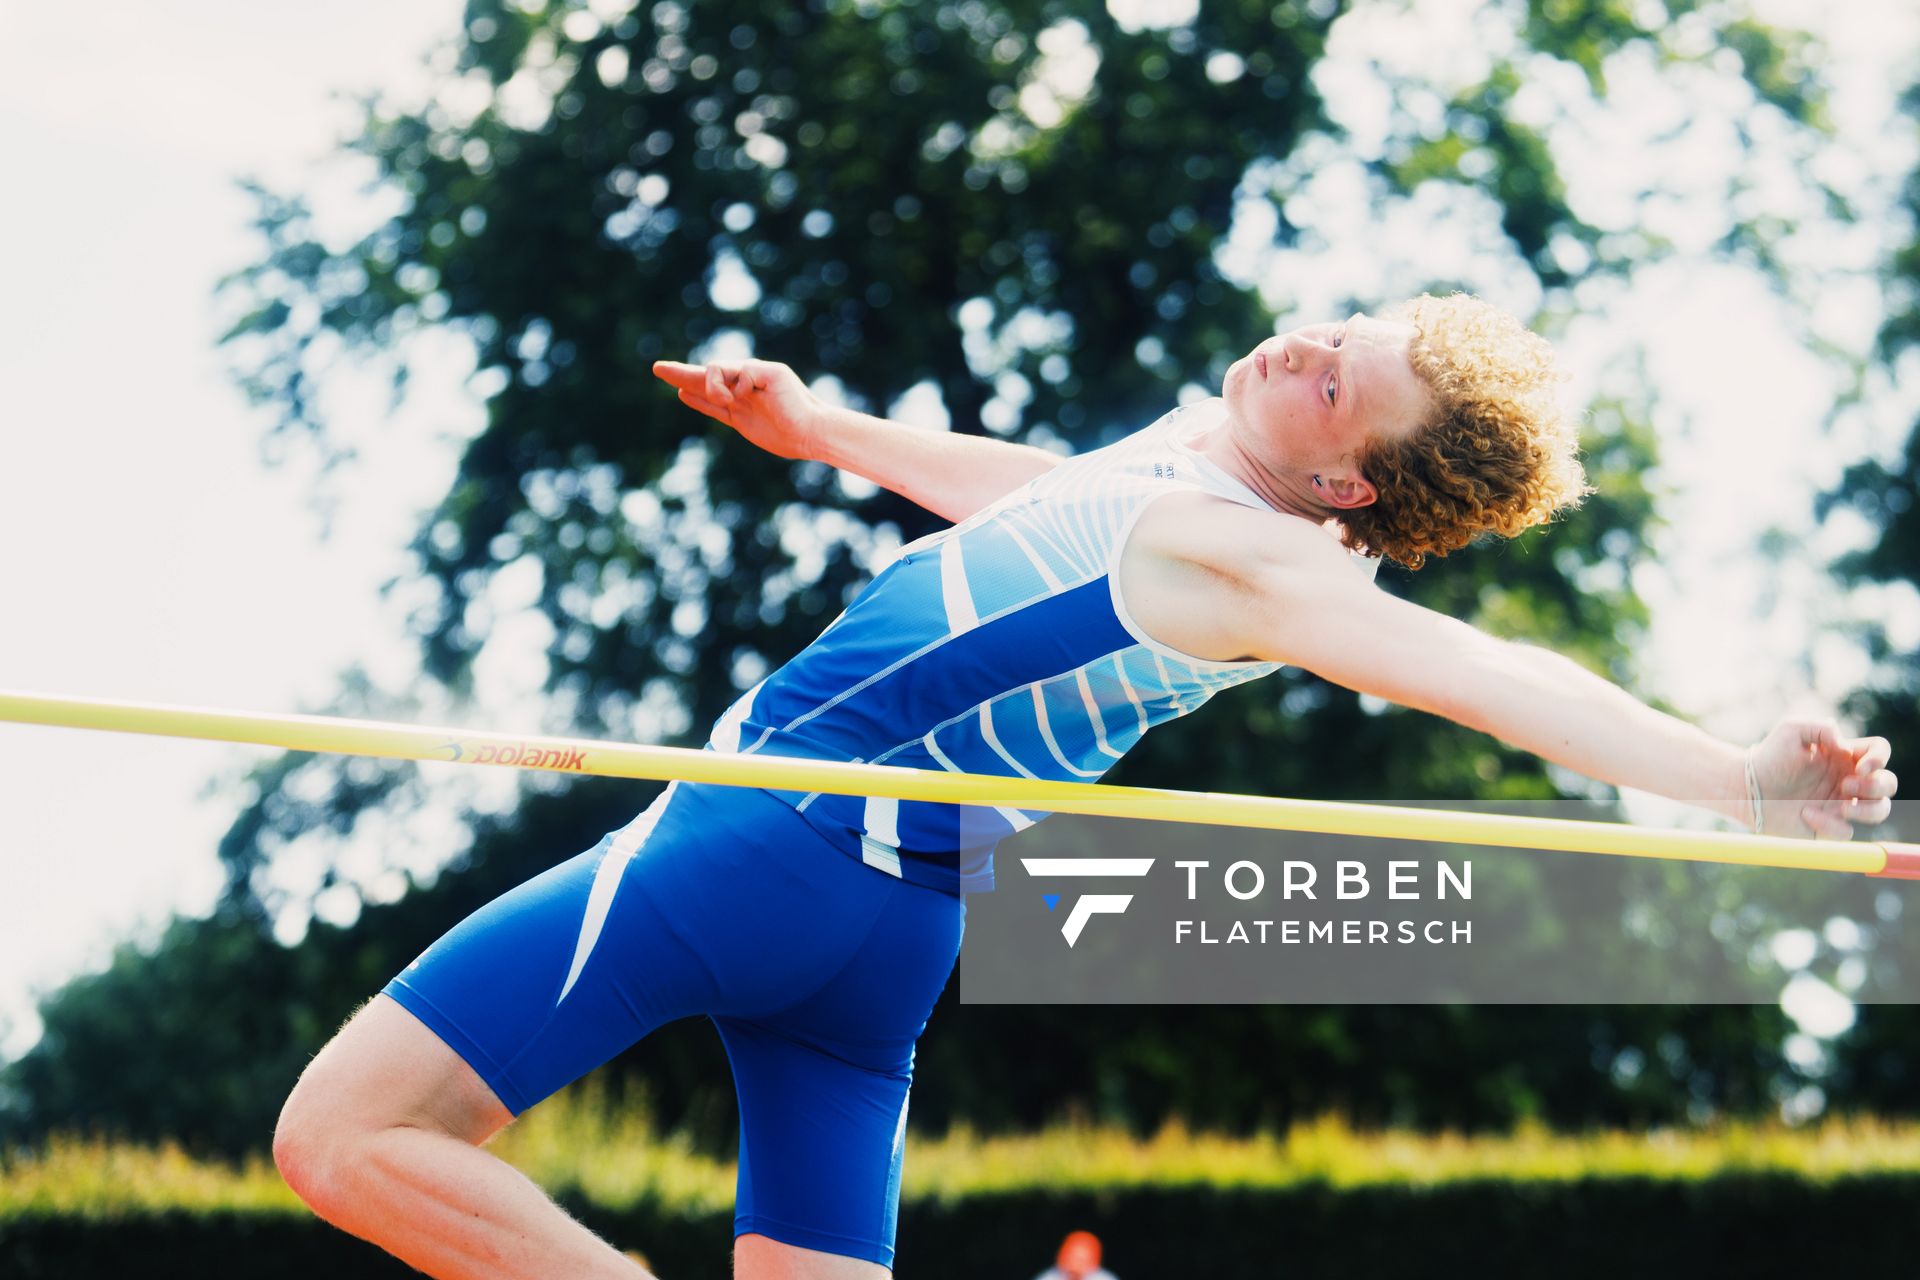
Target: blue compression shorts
{"type": "Point", "coordinates": [818, 970]}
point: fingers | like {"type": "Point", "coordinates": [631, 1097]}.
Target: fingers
{"type": "Point", "coordinates": [1868, 789]}
{"type": "Point", "coordinates": [716, 381]}
{"type": "Point", "coordinates": [1870, 754]}
{"type": "Point", "coordinates": [720, 381]}
{"type": "Point", "coordinates": [1869, 812]}
{"type": "Point", "coordinates": [1825, 821]}
{"type": "Point", "coordinates": [1881, 784]}
{"type": "Point", "coordinates": [1870, 799]}
{"type": "Point", "coordinates": [682, 376]}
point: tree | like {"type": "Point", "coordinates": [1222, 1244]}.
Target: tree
{"type": "Point", "coordinates": [1878, 1060]}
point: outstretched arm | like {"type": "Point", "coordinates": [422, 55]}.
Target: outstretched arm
{"type": "Point", "coordinates": [950, 475]}
{"type": "Point", "coordinates": [1300, 603]}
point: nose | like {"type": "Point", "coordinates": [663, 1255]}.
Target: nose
{"type": "Point", "coordinates": [1303, 352]}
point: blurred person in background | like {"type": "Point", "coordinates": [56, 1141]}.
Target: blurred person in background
{"type": "Point", "coordinates": [1078, 1259]}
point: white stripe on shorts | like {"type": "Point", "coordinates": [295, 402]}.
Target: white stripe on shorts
{"type": "Point", "coordinates": [606, 882]}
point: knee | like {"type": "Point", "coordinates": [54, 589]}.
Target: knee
{"type": "Point", "coordinates": [309, 1150]}
{"type": "Point", "coordinates": [322, 1122]}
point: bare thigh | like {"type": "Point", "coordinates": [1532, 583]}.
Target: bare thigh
{"type": "Point", "coordinates": [759, 1258]}
{"type": "Point", "coordinates": [383, 1069]}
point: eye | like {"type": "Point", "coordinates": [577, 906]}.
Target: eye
{"type": "Point", "coordinates": [1333, 390]}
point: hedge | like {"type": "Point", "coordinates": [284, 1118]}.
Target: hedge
{"type": "Point", "coordinates": [1752, 1226]}
{"type": "Point", "coordinates": [1318, 1200]}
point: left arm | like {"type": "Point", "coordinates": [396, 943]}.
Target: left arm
{"type": "Point", "coordinates": [1299, 602]}
{"type": "Point", "coordinates": [1530, 698]}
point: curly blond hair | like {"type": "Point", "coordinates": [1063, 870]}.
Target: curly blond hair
{"type": "Point", "coordinates": [1497, 454]}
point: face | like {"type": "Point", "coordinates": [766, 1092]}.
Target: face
{"type": "Point", "coordinates": [1309, 401]}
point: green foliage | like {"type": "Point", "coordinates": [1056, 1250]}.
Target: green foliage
{"type": "Point", "coordinates": [1878, 1061]}
{"type": "Point", "coordinates": [121, 1047]}
{"type": "Point", "coordinates": [1750, 1202]}
{"type": "Point", "coordinates": [586, 1147]}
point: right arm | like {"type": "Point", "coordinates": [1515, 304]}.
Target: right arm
{"type": "Point", "coordinates": [951, 475]}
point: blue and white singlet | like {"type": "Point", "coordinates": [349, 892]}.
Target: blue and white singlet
{"type": "Point", "coordinates": [1001, 646]}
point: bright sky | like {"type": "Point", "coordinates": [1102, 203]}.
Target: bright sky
{"type": "Point", "coordinates": [167, 564]}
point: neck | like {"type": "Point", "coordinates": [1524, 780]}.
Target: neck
{"type": "Point", "coordinates": [1223, 444]}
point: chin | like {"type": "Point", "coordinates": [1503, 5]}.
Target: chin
{"type": "Point", "coordinates": [1237, 374]}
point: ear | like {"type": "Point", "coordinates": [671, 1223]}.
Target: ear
{"type": "Point", "coordinates": [1344, 492]}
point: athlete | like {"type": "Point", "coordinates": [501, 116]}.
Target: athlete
{"type": "Point", "coordinates": [1073, 604]}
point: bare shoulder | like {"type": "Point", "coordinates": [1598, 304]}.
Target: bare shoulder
{"type": "Point", "coordinates": [1186, 568]}
{"type": "Point", "coordinates": [1232, 539]}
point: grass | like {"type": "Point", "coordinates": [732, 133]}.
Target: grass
{"type": "Point", "coordinates": [614, 1158]}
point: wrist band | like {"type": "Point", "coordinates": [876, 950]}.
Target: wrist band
{"type": "Point", "coordinates": [1753, 794]}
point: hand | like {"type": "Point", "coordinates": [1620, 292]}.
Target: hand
{"type": "Point", "coordinates": [1815, 782]}
{"type": "Point", "coordinates": [763, 400]}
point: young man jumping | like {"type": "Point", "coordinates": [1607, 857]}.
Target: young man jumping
{"type": "Point", "coordinates": [1074, 604]}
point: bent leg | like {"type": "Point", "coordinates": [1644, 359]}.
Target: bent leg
{"type": "Point", "coordinates": [706, 903]}
{"type": "Point", "coordinates": [821, 1143]}
{"type": "Point", "coordinates": [382, 1138]}
{"type": "Point", "coordinates": [382, 1134]}
{"type": "Point", "coordinates": [823, 1089]}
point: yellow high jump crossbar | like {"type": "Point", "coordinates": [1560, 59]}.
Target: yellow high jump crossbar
{"type": "Point", "coordinates": [785, 773]}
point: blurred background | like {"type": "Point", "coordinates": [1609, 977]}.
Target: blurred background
{"type": "Point", "coordinates": [325, 388]}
